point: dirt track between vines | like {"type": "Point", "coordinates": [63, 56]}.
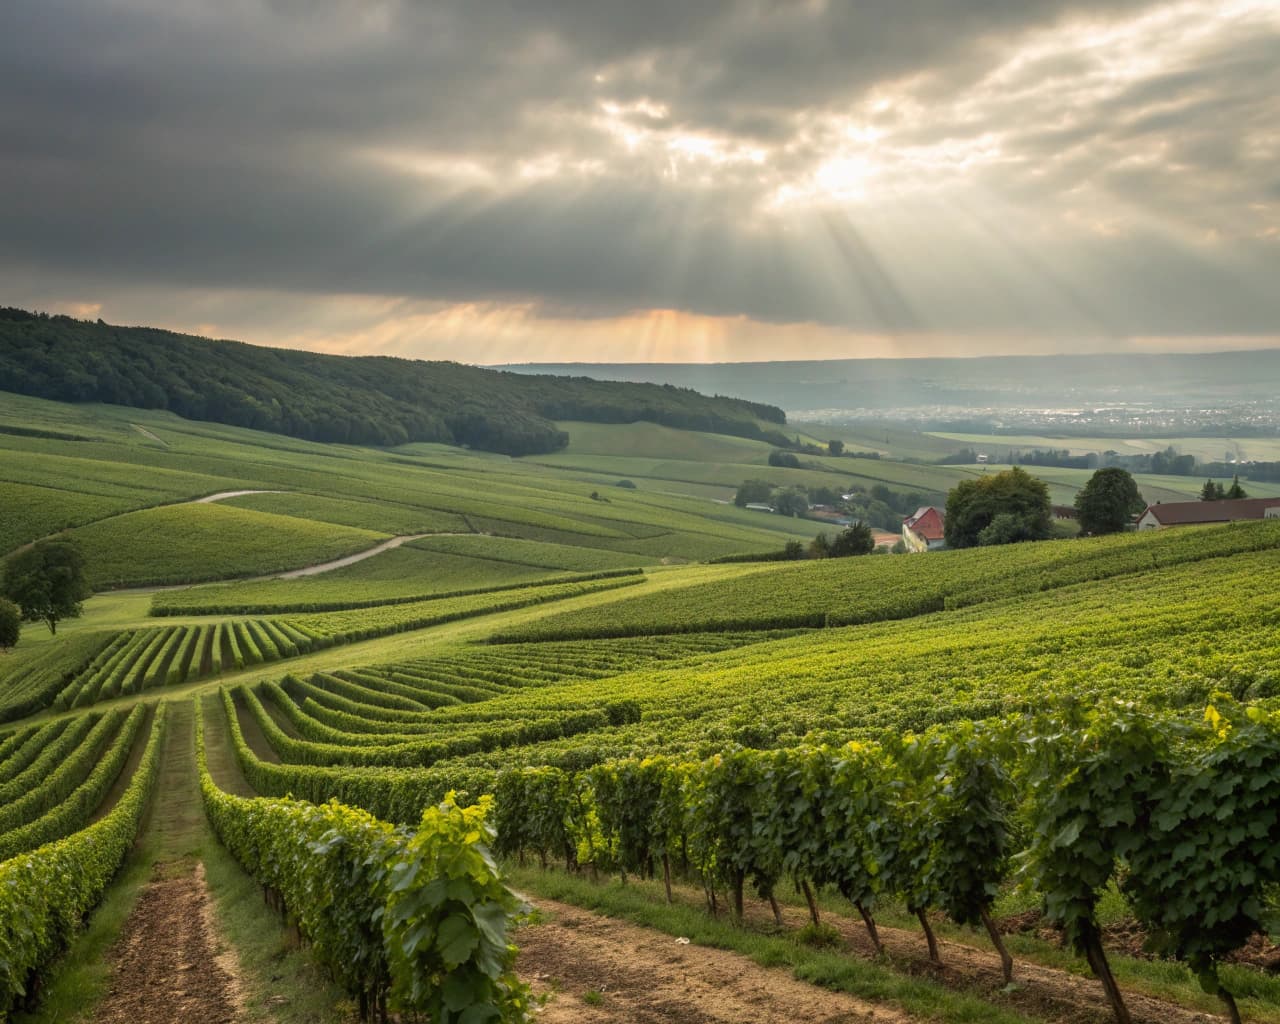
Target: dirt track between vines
{"type": "Point", "coordinates": [1045, 992]}
{"type": "Point", "coordinates": [165, 965]}
{"type": "Point", "coordinates": [645, 976]}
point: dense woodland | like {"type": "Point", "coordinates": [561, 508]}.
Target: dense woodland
{"type": "Point", "coordinates": [370, 400]}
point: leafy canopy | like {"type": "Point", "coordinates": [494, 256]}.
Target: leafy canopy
{"type": "Point", "coordinates": [1107, 501]}
{"type": "Point", "coordinates": [855, 539]}
{"type": "Point", "coordinates": [47, 581]}
{"type": "Point", "coordinates": [975, 505]}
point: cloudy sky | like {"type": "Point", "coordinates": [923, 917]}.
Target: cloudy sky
{"type": "Point", "coordinates": [658, 180]}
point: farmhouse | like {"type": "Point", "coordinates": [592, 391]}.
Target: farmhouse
{"type": "Point", "coordinates": [1188, 513]}
{"type": "Point", "coordinates": [922, 531]}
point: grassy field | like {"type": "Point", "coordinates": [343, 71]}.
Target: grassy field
{"type": "Point", "coordinates": [381, 516]}
{"type": "Point", "coordinates": [400, 574]}
{"type": "Point", "coordinates": [182, 543]}
{"type": "Point", "coordinates": [83, 466]}
{"type": "Point", "coordinates": [1206, 449]}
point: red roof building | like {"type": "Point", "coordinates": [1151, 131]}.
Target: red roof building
{"type": "Point", "coordinates": [1188, 513]}
{"type": "Point", "coordinates": [923, 531]}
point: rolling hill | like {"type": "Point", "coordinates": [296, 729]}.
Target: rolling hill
{"type": "Point", "coordinates": [372, 400]}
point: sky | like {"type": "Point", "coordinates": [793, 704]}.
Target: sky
{"type": "Point", "coordinates": [668, 180]}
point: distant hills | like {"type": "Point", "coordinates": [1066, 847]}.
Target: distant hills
{"type": "Point", "coordinates": [991, 382]}
{"type": "Point", "coordinates": [370, 400]}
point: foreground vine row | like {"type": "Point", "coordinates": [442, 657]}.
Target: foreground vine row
{"type": "Point", "coordinates": [45, 894]}
{"type": "Point", "coordinates": [1183, 813]}
{"type": "Point", "coordinates": [408, 921]}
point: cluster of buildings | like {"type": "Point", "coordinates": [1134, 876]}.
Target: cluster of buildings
{"type": "Point", "coordinates": [923, 529]}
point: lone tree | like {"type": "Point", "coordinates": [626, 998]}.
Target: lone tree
{"type": "Point", "coordinates": [1018, 498]}
{"type": "Point", "coordinates": [10, 623]}
{"type": "Point", "coordinates": [47, 581]}
{"type": "Point", "coordinates": [835, 447]}
{"type": "Point", "coordinates": [855, 539]}
{"type": "Point", "coordinates": [1107, 501]}
{"type": "Point", "coordinates": [1235, 490]}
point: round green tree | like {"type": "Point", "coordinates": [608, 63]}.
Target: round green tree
{"type": "Point", "coordinates": [47, 581]}
{"type": "Point", "coordinates": [856, 539]}
{"type": "Point", "coordinates": [1019, 500]}
{"type": "Point", "coordinates": [1107, 501]}
{"type": "Point", "coordinates": [791, 502]}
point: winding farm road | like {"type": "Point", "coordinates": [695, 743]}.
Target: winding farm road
{"type": "Point", "coordinates": [307, 570]}
{"type": "Point", "coordinates": [224, 495]}
{"type": "Point", "coordinates": [342, 563]}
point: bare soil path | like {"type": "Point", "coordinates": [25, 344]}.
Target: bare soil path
{"type": "Point", "coordinates": [1047, 992]}
{"type": "Point", "coordinates": [602, 971]}
{"type": "Point", "coordinates": [166, 965]}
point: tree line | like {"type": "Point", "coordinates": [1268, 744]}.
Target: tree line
{"type": "Point", "coordinates": [373, 400]}
{"type": "Point", "coordinates": [1168, 462]}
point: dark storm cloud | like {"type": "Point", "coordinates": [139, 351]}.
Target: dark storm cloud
{"type": "Point", "coordinates": [386, 149]}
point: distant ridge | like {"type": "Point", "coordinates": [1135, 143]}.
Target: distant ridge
{"type": "Point", "coordinates": [974, 381]}
{"type": "Point", "coordinates": [372, 400]}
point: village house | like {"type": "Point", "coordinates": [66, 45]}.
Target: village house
{"type": "Point", "coordinates": [1189, 513]}
{"type": "Point", "coordinates": [922, 531]}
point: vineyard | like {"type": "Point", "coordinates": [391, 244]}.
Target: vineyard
{"type": "Point", "coordinates": [401, 576]}
{"type": "Point", "coordinates": [871, 773]}
{"type": "Point", "coordinates": [131, 661]}
{"type": "Point", "coordinates": [837, 593]}
{"type": "Point", "coordinates": [44, 893]}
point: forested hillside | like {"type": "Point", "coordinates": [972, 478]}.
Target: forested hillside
{"type": "Point", "coordinates": [366, 400]}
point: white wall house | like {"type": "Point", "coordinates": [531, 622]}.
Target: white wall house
{"type": "Point", "coordinates": [1190, 513]}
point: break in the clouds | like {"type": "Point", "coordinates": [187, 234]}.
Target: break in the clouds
{"type": "Point", "coordinates": [632, 181]}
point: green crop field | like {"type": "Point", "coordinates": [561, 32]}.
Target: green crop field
{"type": "Point", "coordinates": [1206, 449]}
{"type": "Point", "coordinates": [401, 574]}
{"type": "Point", "coordinates": [32, 512]}
{"type": "Point", "coordinates": [845, 591]}
{"type": "Point", "coordinates": [181, 543]}
{"type": "Point", "coordinates": [630, 712]}
{"type": "Point", "coordinates": [652, 441]}
{"type": "Point", "coordinates": [1169, 636]}
{"type": "Point", "coordinates": [531, 554]}
{"type": "Point", "coordinates": [379, 516]}
{"type": "Point", "coordinates": [416, 490]}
